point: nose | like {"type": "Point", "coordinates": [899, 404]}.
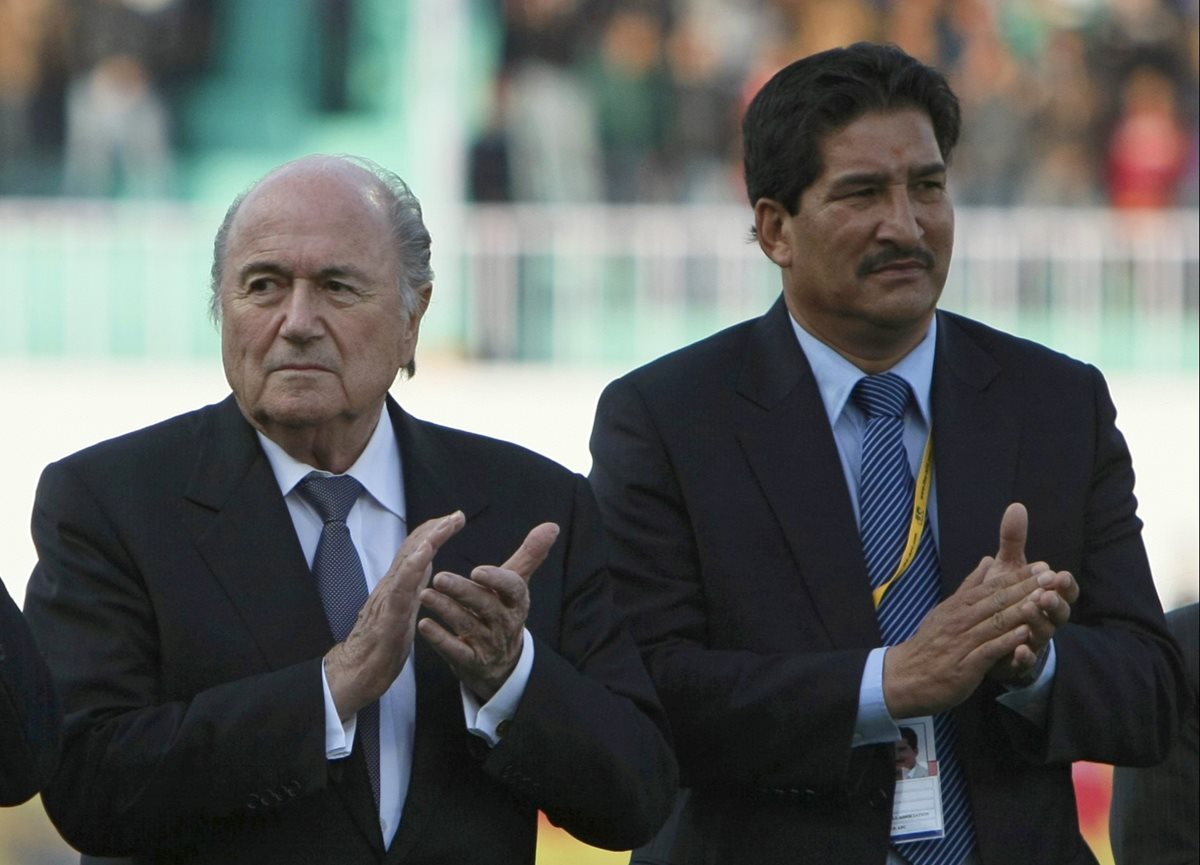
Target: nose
{"type": "Point", "coordinates": [301, 313]}
{"type": "Point", "coordinates": [899, 222]}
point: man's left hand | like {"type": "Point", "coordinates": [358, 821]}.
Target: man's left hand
{"type": "Point", "coordinates": [482, 617]}
{"type": "Point", "coordinates": [1057, 591]}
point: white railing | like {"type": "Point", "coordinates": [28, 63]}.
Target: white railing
{"type": "Point", "coordinates": [600, 283]}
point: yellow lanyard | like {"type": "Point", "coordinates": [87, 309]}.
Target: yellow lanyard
{"type": "Point", "coordinates": [916, 526]}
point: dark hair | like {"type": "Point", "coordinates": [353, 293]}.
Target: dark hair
{"type": "Point", "coordinates": [909, 735]}
{"type": "Point", "coordinates": [812, 97]}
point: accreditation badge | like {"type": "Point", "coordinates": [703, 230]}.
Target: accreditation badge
{"type": "Point", "coordinates": [917, 811]}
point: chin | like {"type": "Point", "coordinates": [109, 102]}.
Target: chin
{"type": "Point", "coordinates": [294, 411]}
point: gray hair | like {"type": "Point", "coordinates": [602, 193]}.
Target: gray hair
{"type": "Point", "coordinates": [409, 234]}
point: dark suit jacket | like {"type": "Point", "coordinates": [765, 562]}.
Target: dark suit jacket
{"type": "Point", "coordinates": [29, 715]}
{"type": "Point", "coordinates": [186, 634]}
{"type": "Point", "coordinates": [1156, 809]}
{"type": "Point", "coordinates": [735, 551]}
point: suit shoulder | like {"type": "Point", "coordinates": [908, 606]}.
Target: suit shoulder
{"type": "Point", "coordinates": [712, 358]}
{"type": "Point", "coordinates": [486, 456]}
{"type": "Point", "coordinates": [1010, 349]}
{"type": "Point", "coordinates": [150, 447]}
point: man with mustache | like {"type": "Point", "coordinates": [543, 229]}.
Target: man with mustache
{"type": "Point", "coordinates": [232, 693]}
{"type": "Point", "coordinates": [799, 506]}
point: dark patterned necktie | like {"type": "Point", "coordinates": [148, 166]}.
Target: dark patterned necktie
{"type": "Point", "coordinates": [885, 512]}
{"type": "Point", "coordinates": [343, 586]}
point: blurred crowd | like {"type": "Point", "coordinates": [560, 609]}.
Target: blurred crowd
{"type": "Point", "coordinates": [1066, 102]}
{"type": "Point", "coordinates": [86, 92]}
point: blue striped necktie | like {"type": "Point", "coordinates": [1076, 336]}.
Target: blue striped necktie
{"type": "Point", "coordinates": [343, 586]}
{"type": "Point", "coordinates": [885, 501]}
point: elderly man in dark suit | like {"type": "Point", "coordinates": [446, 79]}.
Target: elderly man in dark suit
{"type": "Point", "coordinates": [231, 692]}
{"type": "Point", "coordinates": [29, 715]}
{"type": "Point", "coordinates": [799, 506]}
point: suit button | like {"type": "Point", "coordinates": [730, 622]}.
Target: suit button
{"type": "Point", "coordinates": [502, 728]}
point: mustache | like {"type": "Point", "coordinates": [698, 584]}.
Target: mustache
{"type": "Point", "coordinates": [893, 254]}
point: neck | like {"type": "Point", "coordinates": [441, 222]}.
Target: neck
{"type": "Point", "coordinates": [332, 447]}
{"type": "Point", "coordinates": [871, 349]}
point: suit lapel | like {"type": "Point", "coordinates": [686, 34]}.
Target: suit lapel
{"type": "Point", "coordinates": [976, 434]}
{"type": "Point", "coordinates": [434, 485]}
{"type": "Point", "coordinates": [243, 531]}
{"type": "Point", "coordinates": [791, 450]}
{"type": "Point", "coordinates": [245, 534]}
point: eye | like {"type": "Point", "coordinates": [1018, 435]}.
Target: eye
{"type": "Point", "coordinates": [262, 285]}
{"type": "Point", "coordinates": [337, 287]}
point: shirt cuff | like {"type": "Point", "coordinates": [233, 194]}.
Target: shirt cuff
{"type": "Point", "coordinates": [339, 737]}
{"type": "Point", "coordinates": [485, 720]}
{"type": "Point", "coordinates": [1032, 701]}
{"type": "Point", "coordinates": [874, 724]}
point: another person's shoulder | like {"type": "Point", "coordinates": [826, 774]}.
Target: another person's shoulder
{"type": "Point", "coordinates": [695, 367]}
{"type": "Point", "coordinates": [491, 460]}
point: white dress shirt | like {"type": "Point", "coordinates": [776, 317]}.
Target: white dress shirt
{"type": "Point", "coordinates": [378, 526]}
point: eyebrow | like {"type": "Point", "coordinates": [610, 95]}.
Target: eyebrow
{"type": "Point", "coordinates": [872, 178]}
{"type": "Point", "coordinates": [272, 268]}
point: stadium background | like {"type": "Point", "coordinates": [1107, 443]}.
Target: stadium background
{"type": "Point", "coordinates": [578, 164]}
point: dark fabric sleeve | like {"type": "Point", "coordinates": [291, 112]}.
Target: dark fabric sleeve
{"type": "Point", "coordinates": [30, 720]}
{"type": "Point", "coordinates": [589, 710]}
{"type": "Point", "coordinates": [140, 770]}
{"type": "Point", "coordinates": [1115, 696]}
{"type": "Point", "coordinates": [779, 721]}
{"type": "Point", "coordinates": [1154, 809]}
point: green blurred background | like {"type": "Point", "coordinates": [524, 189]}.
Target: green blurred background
{"type": "Point", "coordinates": [578, 162]}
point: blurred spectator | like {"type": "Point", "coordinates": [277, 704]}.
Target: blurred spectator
{"type": "Point", "coordinates": [547, 114]}
{"type": "Point", "coordinates": [701, 136]}
{"type": "Point", "coordinates": [30, 39]}
{"type": "Point", "coordinates": [630, 86]}
{"type": "Point", "coordinates": [1064, 164]}
{"type": "Point", "coordinates": [1148, 150]}
{"type": "Point", "coordinates": [118, 125]}
{"type": "Point", "coordinates": [996, 106]}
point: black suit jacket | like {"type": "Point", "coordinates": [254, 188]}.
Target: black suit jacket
{"type": "Point", "coordinates": [29, 714]}
{"type": "Point", "coordinates": [1156, 809]}
{"type": "Point", "coordinates": [735, 551]}
{"type": "Point", "coordinates": [186, 634]}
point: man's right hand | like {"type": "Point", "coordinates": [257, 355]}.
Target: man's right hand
{"type": "Point", "coordinates": [364, 665]}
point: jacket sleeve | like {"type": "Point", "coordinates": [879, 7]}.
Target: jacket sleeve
{"type": "Point", "coordinates": [1119, 679]}
{"type": "Point", "coordinates": [589, 710]}
{"type": "Point", "coordinates": [30, 721]}
{"type": "Point", "coordinates": [738, 715]}
{"type": "Point", "coordinates": [142, 770]}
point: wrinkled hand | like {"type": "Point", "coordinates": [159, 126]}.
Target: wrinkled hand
{"type": "Point", "coordinates": [364, 665]}
{"type": "Point", "coordinates": [482, 617]}
{"type": "Point", "coordinates": [960, 640]}
{"type": "Point", "coordinates": [1056, 592]}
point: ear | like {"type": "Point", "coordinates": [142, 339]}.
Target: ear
{"type": "Point", "coordinates": [414, 321]}
{"type": "Point", "coordinates": [771, 227]}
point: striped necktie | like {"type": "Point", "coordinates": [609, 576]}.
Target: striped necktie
{"type": "Point", "coordinates": [885, 511]}
{"type": "Point", "coordinates": [343, 586]}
